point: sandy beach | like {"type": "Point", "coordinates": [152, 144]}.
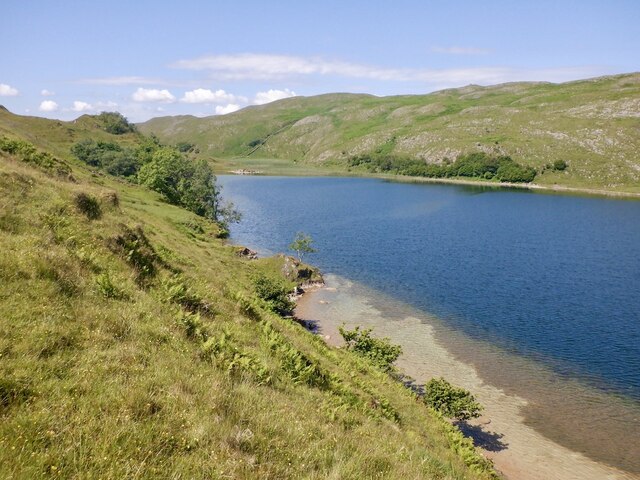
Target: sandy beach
{"type": "Point", "coordinates": [518, 450]}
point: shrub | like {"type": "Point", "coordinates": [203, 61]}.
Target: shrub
{"type": "Point", "coordinates": [28, 153]}
{"type": "Point", "coordinates": [275, 293]}
{"type": "Point", "coordinates": [379, 351]}
{"type": "Point", "coordinates": [559, 165]}
{"type": "Point", "coordinates": [451, 401]}
{"type": "Point", "coordinates": [88, 205]}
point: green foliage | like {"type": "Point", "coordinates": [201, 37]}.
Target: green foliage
{"type": "Point", "coordinates": [28, 153]}
{"type": "Point", "coordinates": [194, 329]}
{"type": "Point", "coordinates": [188, 184]}
{"type": "Point", "coordinates": [113, 158]}
{"type": "Point", "coordinates": [275, 293]}
{"type": "Point", "coordinates": [379, 351]}
{"type": "Point", "coordinates": [472, 165]}
{"type": "Point", "coordinates": [298, 366]}
{"type": "Point", "coordinates": [186, 147]}
{"type": "Point", "coordinates": [559, 165]}
{"type": "Point", "coordinates": [135, 248]}
{"type": "Point", "coordinates": [225, 353]}
{"type": "Point", "coordinates": [115, 123]}
{"type": "Point", "coordinates": [108, 289]}
{"type": "Point", "coordinates": [87, 205]}
{"type": "Point", "coordinates": [451, 401]}
{"type": "Point", "coordinates": [176, 290]}
{"type": "Point", "coordinates": [302, 244]}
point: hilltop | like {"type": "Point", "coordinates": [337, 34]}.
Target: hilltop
{"type": "Point", "coordinates": [134, 343]}
{"type": "Point", "coordinates": [593, 125]}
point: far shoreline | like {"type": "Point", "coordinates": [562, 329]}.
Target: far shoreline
{"type": "Point", "coordinates": [556, 189]}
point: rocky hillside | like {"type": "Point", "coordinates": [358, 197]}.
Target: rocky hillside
{"type": "Point", "coordinates": [593, 125]}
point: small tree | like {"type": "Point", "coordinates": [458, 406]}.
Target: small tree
{"type": "Point", "coordinates": [302, 244]}
{"type": "Point", "coordinates": [452, 402]}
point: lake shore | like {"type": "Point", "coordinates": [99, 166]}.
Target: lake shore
{"type": "Point", "coordinates": [327, 172]}
{"type": "Point", "coordinates": [518, 450]}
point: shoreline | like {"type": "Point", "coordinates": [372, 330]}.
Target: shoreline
{"type": "Point", "coordinates": [534, 187]}
{"type": "Point", "coordinates": [518, 450]}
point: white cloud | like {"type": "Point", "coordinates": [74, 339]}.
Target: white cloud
{"type": "Point", "coordinates": [46, 93]}
{"type": "Point", "coordinates": [7, 90]}
{"type": "Point", "coordinates": [252, 66]}
{"type": "Point", "coordinates": [460, 50]}
{"type": "Point", "coordinates": [116, 81]}
{"type": "Point", "coordinates": [232, 107]}
{"type": "Point", "coordinates": [152, 95]}
{"type": "Point", "coordinates": [79, 106]}
{"type": "Point", "coordinates": [48, 106]}
{"type": "Point", "coordinates": [202, 95]}
{"type": "Point", "coordinates": [272, 95]}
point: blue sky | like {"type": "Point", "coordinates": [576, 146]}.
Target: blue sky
{"type": "Point", "coordinates": [61, 59]}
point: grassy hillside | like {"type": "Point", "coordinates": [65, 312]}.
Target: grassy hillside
{"type": "Point", "coordinates": [593, 125]}
{"type": "Point", "coordinates": [133, 345]}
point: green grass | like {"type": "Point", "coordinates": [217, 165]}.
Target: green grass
{"type": "Point", "coordinates": [132, 345]}
{"type": "Point", "coordinates": [591, 124]}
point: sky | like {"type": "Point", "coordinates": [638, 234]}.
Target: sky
{"type": "Point", "coordinates": [62, 59]}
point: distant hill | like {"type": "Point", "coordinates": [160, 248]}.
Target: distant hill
{"type": "Point", "coordinates": [593, 125]}
{"type": "Point", "coordinates": [56, 136]}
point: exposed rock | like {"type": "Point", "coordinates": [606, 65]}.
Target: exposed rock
{"type": "Point", "coordinates": [246, 253]}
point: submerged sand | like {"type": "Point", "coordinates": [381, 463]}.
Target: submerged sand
{"type": "Point", "coordinates": [518, 450]}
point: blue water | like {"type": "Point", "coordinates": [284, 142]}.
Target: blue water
{"type": "Point", "coordinates": [552, 278]}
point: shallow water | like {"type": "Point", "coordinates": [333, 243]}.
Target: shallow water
{"type": "Point", "coordinates": [540, 293]}
{"type": "Point", "coordinates": [520, 451]}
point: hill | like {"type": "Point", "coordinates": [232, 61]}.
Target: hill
{"type": "Point", "coordinates": [136, 344]}
{"type": "Point", "coordinates": [592, 125]}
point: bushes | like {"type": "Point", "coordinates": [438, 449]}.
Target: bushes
{"type": "Point", "coordinates": [472, 165]}
{"type": "Point", "coordinates": [28, 153]}
{"type": "Point", "coordinates": [113, 158]}
{"type": "Point", "coordinates": [275, 293]}
{"type": "Point", "coordinates": [87, 205]}
{"type": "Point", "coordinates": [452, 402]}
{"type": "Point", "coordinates": [379, 351]}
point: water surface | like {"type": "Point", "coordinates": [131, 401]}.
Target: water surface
{"type": "Point", "coordinates": [547, 279]}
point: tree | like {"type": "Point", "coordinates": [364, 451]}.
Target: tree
{"type": "Point", "coordinates": [164, 173]}
{"type": "Point", "coordinates": [302, 244]}
{"type": "Point", "coordinates": [451, 401]}
{"type": "Point", "coordinates": [116, 123]}
{"type": "Point", "coordinates": [379, 351]}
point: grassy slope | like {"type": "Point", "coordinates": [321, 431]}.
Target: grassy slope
{"type": "Point", "coordinates": [115, 387]}
{"type": "Point", "coordinates": [594, 125]}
